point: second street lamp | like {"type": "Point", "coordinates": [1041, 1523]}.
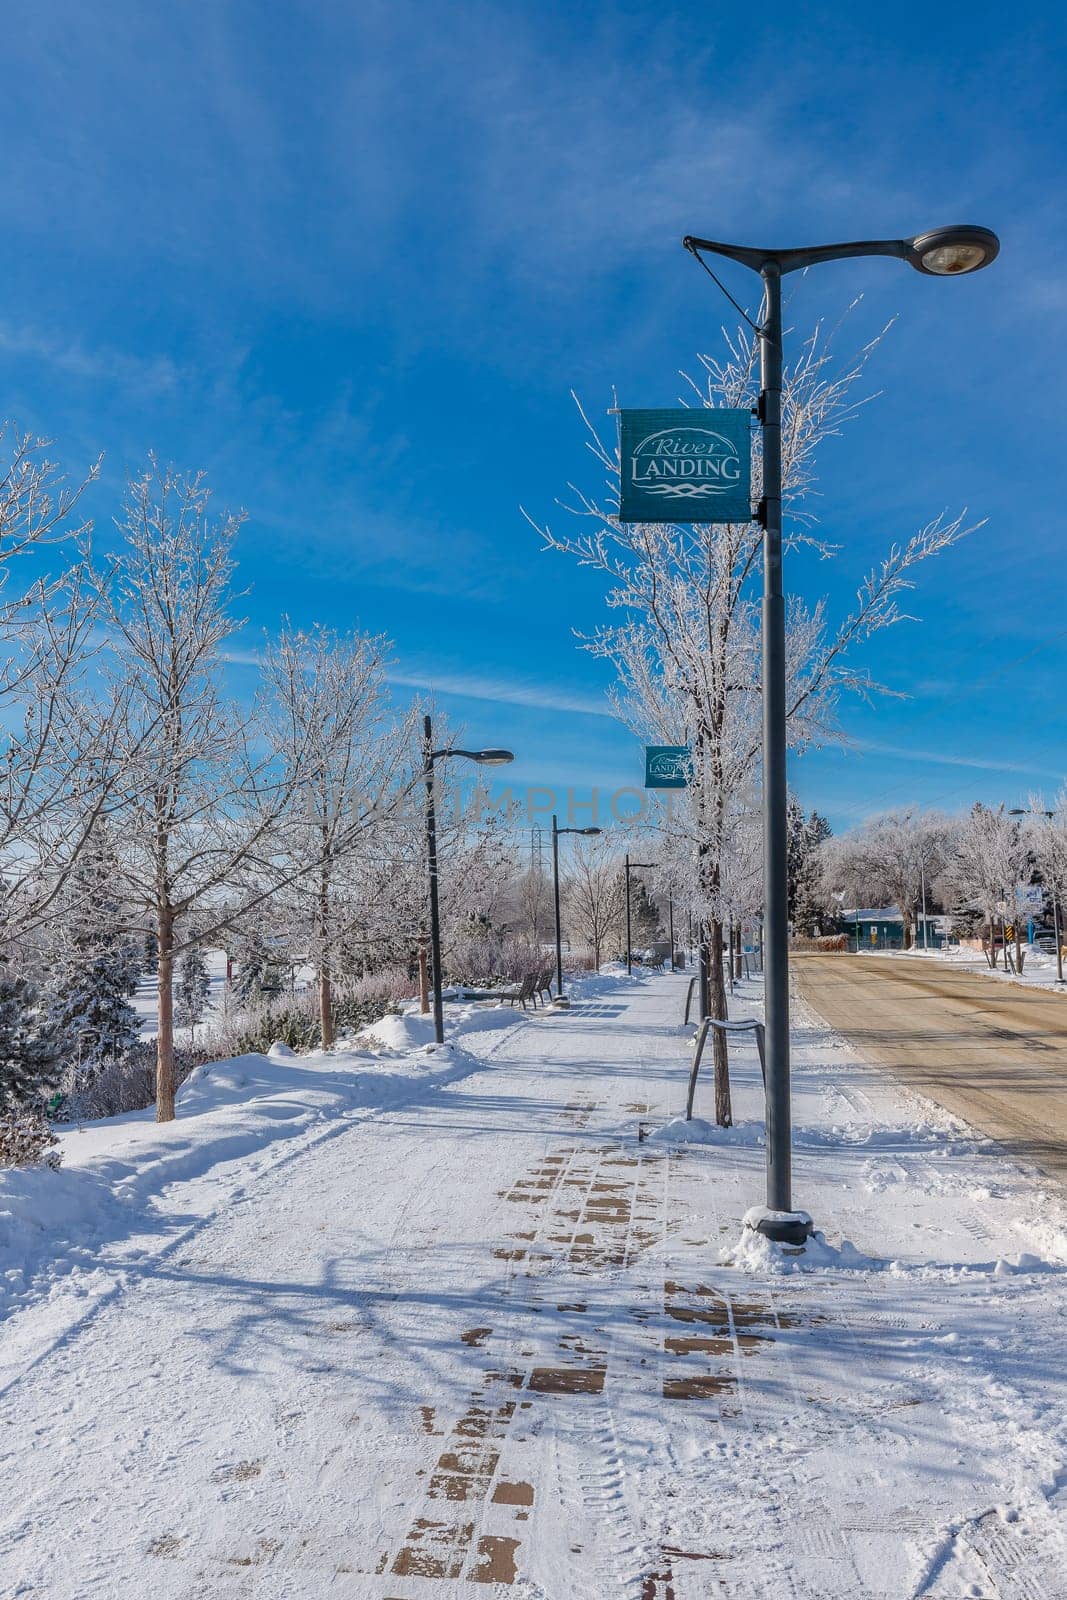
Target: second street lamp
{"type": "Point", "coordinates": [629, 951]}
{"type": "Point", "coordinates": [486, 758]}
{"type": "Point", "coordinates": [944, 252]}
{"type": "Point", "coordinates": [556, 831]}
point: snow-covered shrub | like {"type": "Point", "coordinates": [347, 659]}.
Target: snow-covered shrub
{"type": "Point", "coordinates": [295, 1021]}
{"type": "Point", "coordinates": [479, 962]}
{"type": "Point", "coordinates": [26, 1140]}
{"type": "Point", "coordinates": [129, 1084]}
{"type": "Point", "coordinates": [388, 987]}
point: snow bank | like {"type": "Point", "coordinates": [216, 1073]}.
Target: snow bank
{"type": "Point", "coordinates": [52, 1217]}
{"type": "Point", "coordinates": [130, 1186]}
{"type": "Point", "coordinates": [698, 1131]}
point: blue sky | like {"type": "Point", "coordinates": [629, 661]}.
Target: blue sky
{"type": "Point", "coordinates": [351, 259]}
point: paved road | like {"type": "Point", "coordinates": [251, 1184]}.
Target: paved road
{"type": "Point", "coordinates": [992, 1053]}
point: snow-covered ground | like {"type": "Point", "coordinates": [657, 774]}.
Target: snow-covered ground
{"type": "Point", "coordinates": [402, 1322]}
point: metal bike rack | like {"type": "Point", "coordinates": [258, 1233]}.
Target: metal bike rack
{"type": "Point", "coordinates": [748, 1026]}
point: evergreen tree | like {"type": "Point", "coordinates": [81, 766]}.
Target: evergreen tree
{"type": "Point", "coordinates": [645, 923]}
{"type": "Point", "coordinates": [191, 989]}
{"type": "Point", "coordinates": [254, 977]}
{"type": "Point", "coordinates": [95, 969]}
{"type": "Point", "coordinates": [804, 836]}
{"type": "Point", "coordinates": [29, 1047]}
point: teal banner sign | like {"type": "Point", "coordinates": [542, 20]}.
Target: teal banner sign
{"type": "Point", "coordinates": [686, 466]}
{"type": "Point", "coordinates": [666, 766]}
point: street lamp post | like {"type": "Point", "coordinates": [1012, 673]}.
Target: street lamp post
{"type": "Point", "coordinates": [486, 758]}
{"type": "Point", "coordinates": [556, 831]}
{"type": "Point", "coordinates": [629, 951]}
{"type": "Point", "coordinates": [1018, 811]}
{"type": "Point", "coordinates": [945, 252]}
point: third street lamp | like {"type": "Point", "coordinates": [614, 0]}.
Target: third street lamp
{"type": "Point", "coordinates": [556, 831]}
{"type": "Point", "coordinates": [944, 252]}
{"type": "Point", "coordinates": [485, 758]}
{"type": "Point", "coordinates": [1019, 811]}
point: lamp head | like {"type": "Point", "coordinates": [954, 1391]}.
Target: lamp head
{"type": "Point", "coordinates": [588, 832]}
{"type": "Point", "coordinates": [493, 758]}
{"type": "Point", "coordinates": [951, 252]}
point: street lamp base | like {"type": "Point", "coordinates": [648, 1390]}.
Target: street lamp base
{"type": "Point", "coordinates": [784, 1227]}
{"type": "Point", "coordinates": [560, 1003]}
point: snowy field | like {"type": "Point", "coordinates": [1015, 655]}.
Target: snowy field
{"type": "Point", "coordinates": [398, 1322]}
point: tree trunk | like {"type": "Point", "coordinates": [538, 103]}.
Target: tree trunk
{"type": "Point", "coordinates": [165, 1031]}
{"type": "Point", "coordinates": [1019, 958]}
{"type": "Point", "coordinates": [325, 979]}
{"type": "Point", "coordinates": [717, 1009]}
{"type": "Point", "coordinates": [739, 960]}
{"type": "Point", "coordinates": [326, 1006]}
{"type": "Point", "coordinates": [424, 978]}
{"type": "Point", "coordinates": [908, 925]}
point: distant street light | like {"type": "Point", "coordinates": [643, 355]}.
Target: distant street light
{"type": "Point", "coordinates": [485, 758]}
{"type": "Point", "coordinates": [556, 831]}
{"type": "Point", "coordinates": [1018, 811]}
{"type": "Point", "coordinates": [629, 952]}
{"type": "Point", "coordinates": [944, 252]}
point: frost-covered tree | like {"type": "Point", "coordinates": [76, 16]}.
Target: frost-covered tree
{"type": "Point", "coordinates": [593, 887]}
{"type": "Point", "coordinates": [58, 757]}
{"type": "Point", "coordinates": [205, 784]}
{"type": "Point", "coordinates": [29, 1047]}
{"type": "Point", "coordinates": [688, 653]}
{"type": "Point", "coordinates": [330, 706]}
{"type": "Point", "coordinates": [885, 861]}
{"type": "Point", "coordinates": [987, 863]}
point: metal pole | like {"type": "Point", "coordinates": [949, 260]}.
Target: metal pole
{"type": "Point", "coordinates": [1059, 941]}
{"type": "Point", "coordinates": [705, 1000]}
{"type": "Point", "coordinates": [776, 936]}
{"type": "Point", "coordinates": [435, 922]}
{"type": "Point", "coordinates": [670, 925]}
{"type": "Point", "coordinates": [922, 881]}
{"type": "Point", "coordinates": [629, 954]}
{"type": "Point", "coordinates": [555, 885]}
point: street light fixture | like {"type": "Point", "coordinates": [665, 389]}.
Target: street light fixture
{"type": "Point", "coordinates": [485, 758]}
{"type": "Point", "coordinates": [629, 952]}
{"type": "Point", "coordinates": [584, 833]}
{"type": "Point", "coordinates": [943, 252]}
{"type": "Point", "coordinates": [1019, 811]}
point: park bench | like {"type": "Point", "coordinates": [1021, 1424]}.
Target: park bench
{"type": "Point", "coordinates": [528, 989]}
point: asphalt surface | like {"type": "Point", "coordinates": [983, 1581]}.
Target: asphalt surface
{"type": "Point", "coordinates": [992, 1053]}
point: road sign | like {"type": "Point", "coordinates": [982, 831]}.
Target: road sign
{"type": "Point", "coordinates": [686, 466]}
{"type": "Point", "coordinates": [666, 766]}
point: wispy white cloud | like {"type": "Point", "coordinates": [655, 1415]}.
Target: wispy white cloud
{"type": "Point", "coordinates": [539, 697]}
{"type": "Point", "coordinates": [136, 375]}
{"type": "Point", "coordinates": [940, 758]}
{"type": "Point", "coordinates": [472, 686]}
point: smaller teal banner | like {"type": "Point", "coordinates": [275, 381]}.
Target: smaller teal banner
{"type": "Point", "coordinates": [686, 466]}
{"type": "Point", "coordinates": [666, 766]}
